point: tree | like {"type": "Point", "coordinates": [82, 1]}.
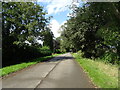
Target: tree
{"type": "Point", "coordinates": [56, 45]}
{"type": "Point", "coordinates": [48, 38]}
{"type": "Point", "coordinates": [22, 24]}
{"type": "Point", "coordinates": [23, 21]}
{"type": "Point", "coordinates": [94, 29]}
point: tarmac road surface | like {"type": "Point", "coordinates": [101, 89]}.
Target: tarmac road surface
{"type": "Point", "coordinates": [60, 72]}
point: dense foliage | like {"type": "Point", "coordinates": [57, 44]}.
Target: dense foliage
{"type": "Point", "coordinates": [94, 29]}
{"type": "Point", "coordinates": [56, 45]}
{"type": "Point", "coordinates": [23, 24]}
{"type": "Point", "coordinates": [45, 51]}
{"type": "Point", "coordinates": [48, 39]}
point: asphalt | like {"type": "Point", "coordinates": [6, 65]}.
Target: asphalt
{"type": "Point", "coordinates": [60, 72]}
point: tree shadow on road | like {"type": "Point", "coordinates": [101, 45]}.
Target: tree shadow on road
{"type": "Point", "coordinates": [60, 58]}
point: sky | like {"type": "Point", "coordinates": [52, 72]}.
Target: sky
{"type": "Point", "coordinates": [59, 9]}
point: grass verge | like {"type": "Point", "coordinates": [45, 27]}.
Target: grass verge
{"type": "Point", "coordinates": [103, 75]}
{"type": "Point", "coordinates": [13, 68]}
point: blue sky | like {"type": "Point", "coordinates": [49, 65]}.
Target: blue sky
{"type": "Point", "coordinates": [59, 10]}
{"type": "Point", "coordinates": [60, 16]}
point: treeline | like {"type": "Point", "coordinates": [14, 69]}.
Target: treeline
{"type": "Point", "coordinates": [23, 24]}
{"type": "Point", "coordinates": [95, 30]}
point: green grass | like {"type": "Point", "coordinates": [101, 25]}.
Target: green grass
{"type": "Point", "coordinates": [103, 75]}
{"type": "Point", "coordinates": [13, 68]}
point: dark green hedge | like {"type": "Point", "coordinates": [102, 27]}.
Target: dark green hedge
{"type": "Point", "coordinates": [13, 55]}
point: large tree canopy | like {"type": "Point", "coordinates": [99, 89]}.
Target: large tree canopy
{"type": "Point", "coordinates": [94, 29]}
{"type": "Point", "coordinates": [23, 21]}
{"type": "Point", "coordinates": [23, 24]}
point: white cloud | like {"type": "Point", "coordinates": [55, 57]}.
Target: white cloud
{"type": "Point", "coordinates": [60, 30]}
{"type": "Point", "coordinates": [63, 22]}
{"type": "Point", "coordinates": [40, 41]}
{"type": "Point", "coordinates": [55, 27]}
{"type": "Point", "coordinates": [44, 1]}
{"type": "Point", "coordinates": [56, 6]}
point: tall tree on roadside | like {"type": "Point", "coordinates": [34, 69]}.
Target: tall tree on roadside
{"type": "Point", "coordinates": [48, 38]}
{"type": "Point", "coordinates": [22, 24]}
{"type": "Point", "coordinates": [22, 21]}
{"type": "Point", "coordinates": [94, 29]}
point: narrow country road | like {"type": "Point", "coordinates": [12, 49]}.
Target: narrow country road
{"type": "Point", "coordinates": [59, 72]}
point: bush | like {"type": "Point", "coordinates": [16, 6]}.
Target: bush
{"type": "Point", "coordinates": [15, 55]}
{"type": "Point", "coordinates": [110, 57]}
{"type": "Point", "coordinates": [45, 51]}
{"type": "Point", "coordinates": [80, 54]}
{"type": "Point", "coordinates": [63, 50]}
{"type": "Point", "coordinates": [57, 51]}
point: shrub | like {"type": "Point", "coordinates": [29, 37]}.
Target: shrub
{"type": "Point", "coordinates": [110, 57]}
{"type": "Point", "coordinates": [57, 51]}
{"type": "Point", "coordinates": [45, 51]}
{"type": "Point", "coordinates": [63, 50]}
{"type": "Point", "coordinates": [80, 54]}
{"type": "Point", "coordinates": [14, 54]}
